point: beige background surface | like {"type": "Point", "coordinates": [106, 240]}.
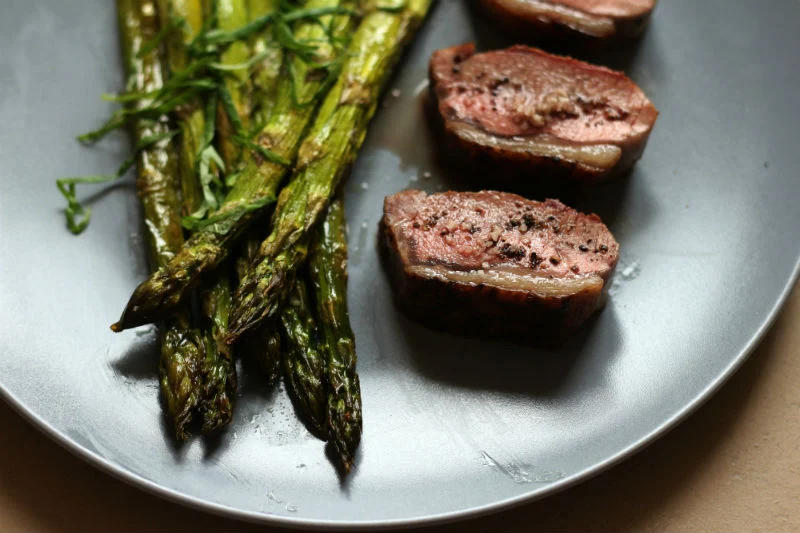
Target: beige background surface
{"type": "Point", "coordinates": [732, 466]}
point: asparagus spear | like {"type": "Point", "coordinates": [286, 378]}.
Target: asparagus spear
{"type": "Point", "coordinates": [303, 361]}
{"type": "Point", "coordinates": [157, 164]}
{"type": "Point", "coordinates": [325, 156]}
{"type": "Point", "coordinates": [190, 118]}
{"type": "Point", "coordinates": [233, 14]}
{"type": "Point", "coordinates": [180, 375]}
{"type": "Point", "coordinates": [181, 346]}
{"type": "Point", "coordinates": [300, 358]}
{"type": "Point", "coordinates": [328, 266]}
{"type": "Point", "coordinates": [249, 247]}
{"type": "Point", "coordinates": [263, 344]}
{"type": "Point", "coordinates": [264, 340]}
{"type": "Point", "coordinates": [267, 71]}
{"type": "Point", "coordinates": [215, 383]}
{"type": "Point", "coordinates": [255, 187]}
{"type": "Point", "coordinates": [219, 371]}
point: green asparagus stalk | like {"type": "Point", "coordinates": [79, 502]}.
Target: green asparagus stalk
{"type": "Point", "coordinates": [219, 370]}
{"type": "Point", "coordinates": [157, 165]}
{"type": "Point", "coordinates": [181, 347]}
{"type": "Point", "coordinates": [328, 267]}
{"type": "Point", "coordinates": [324, 157]}
{"type": "Point", "coordinates": [256, 186]}
{"type": "Point", "coordinates": [267, 71]}
{"type": "Point", "coordinates": [180, 373]}
{"type": "Point", "coordinates": [216, 371]}
{"type": "Point", "coordinates": [302, 359]}
{"type": "Point", "coordinates": [233, 14]}
{"type": "Point", "coordinates": [249, 248]}
{"type": "Point", "coordinates": [297, 350]}
{"type": "Point", "coordinates": [190, 117]}
{"type": "Point", "coordinates": [263, 344]}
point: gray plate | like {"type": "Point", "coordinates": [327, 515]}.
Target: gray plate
{"type": "Point", "coordinates": [708, 224]}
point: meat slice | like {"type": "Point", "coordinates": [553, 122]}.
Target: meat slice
{"type": "Point", "coordinates": [597, 19]}
{"type": "Point", "coordinates": [521, 113]}
{"type": "Point", "coordinates": [494, 263]}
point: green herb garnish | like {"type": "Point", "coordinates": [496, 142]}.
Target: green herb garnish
{"type": "Point", "coordinates": [204, 78]}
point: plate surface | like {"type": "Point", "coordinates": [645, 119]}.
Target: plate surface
{"type": "Point", "coordinates": [708, 224]}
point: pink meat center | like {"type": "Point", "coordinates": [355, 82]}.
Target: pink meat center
{"type": "Point", "coordinates": [511, 93]}
{"type": "Point", "coordinates": [473, 233]}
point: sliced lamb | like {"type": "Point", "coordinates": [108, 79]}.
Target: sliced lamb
{"type": "Point", "coordinates": [494, 263]}
{"type": "Point", "coordinates": [524, 114]}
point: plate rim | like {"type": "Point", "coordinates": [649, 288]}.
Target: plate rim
{"type": "Point", "coordinates": [760, 326]}
{"type": "Point", "coordinates": [137, 481]}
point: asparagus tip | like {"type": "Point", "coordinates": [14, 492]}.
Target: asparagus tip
{"type": "Point", "coordinates": [239, 325]}
{"type": "Point", "coordinates": [136, 314]}
{"type": "Point", "coordinates": [128, 322]}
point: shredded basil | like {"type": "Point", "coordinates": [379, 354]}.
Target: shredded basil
{"type": "Point", "coordinates": [194, 223]}
{"type": "Point", "coordinates": [204, 78]}
{"type": "Point", "coordinates": [78, 215]}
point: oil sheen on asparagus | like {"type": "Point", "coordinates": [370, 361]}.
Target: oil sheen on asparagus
{"type": "Point", "coordinates": [190, 118]}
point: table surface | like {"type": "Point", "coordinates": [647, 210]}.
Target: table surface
{"type": "Point", "coordinates": [733, 465]}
